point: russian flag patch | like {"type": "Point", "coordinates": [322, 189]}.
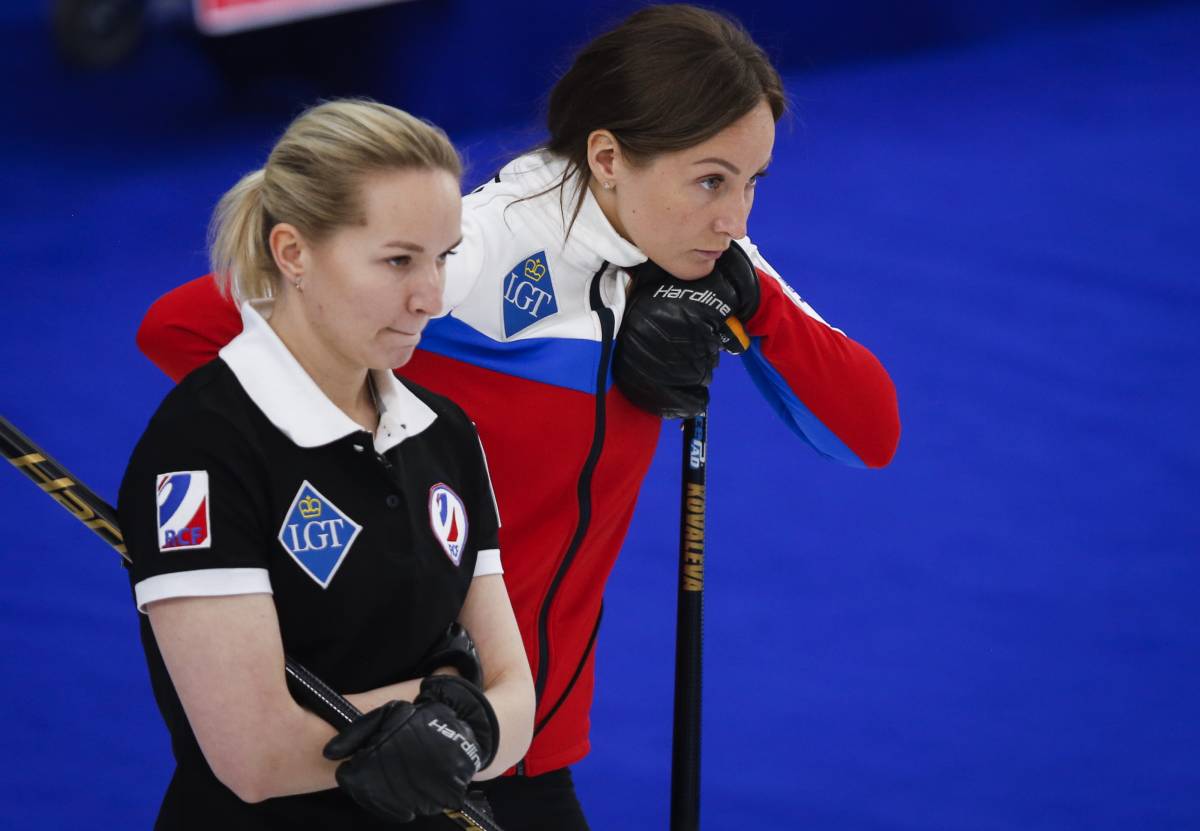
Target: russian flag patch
{"type": "Point", "coordinates": [448, 520]}
{"type": "Point", "coordinates": [183, 510]}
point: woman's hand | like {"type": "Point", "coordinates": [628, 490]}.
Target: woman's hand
{"type": "Point", "coordinates": [673, 332]}
{"type": "Point", "coordinates": [468, 703]}
{"type": "Point", "coordinates": [407, 760]}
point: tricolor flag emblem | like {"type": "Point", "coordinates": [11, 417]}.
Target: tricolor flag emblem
{"type": "Point", "coordinates": [448, 519]}
{"type": "Point", "coordinates": [183, 510]}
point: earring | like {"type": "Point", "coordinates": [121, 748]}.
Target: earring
{"type": "Point", "coordinates": [297, 283]}
{"type": "Point", "coordinates": [608, 185]}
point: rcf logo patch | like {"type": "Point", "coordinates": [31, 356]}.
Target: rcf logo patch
{"type": "Point", "coordinates": [316, 534]}
{"type": "Point", "coordinates": [448, 518]}
{"type": "Point", "coordinates": [183, 510]}
{"type": "Point", "coordinates": [528, 294]}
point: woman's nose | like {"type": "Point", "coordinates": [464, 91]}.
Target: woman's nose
{"type": "Point", "coordinates": [426, 296]}
{"type": "Point", "coordinates": [733, 217]}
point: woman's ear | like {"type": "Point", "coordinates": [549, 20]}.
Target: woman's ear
{"type": "Point", "coordinates": [288, 250]}
{"type": "Point", "coordinates": [603, 155]}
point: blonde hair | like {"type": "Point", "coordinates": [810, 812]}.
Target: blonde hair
{"type": "Point", "coordinates": [312, 180]}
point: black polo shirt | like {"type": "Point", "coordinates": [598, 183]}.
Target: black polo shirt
{"type": "Point", "coordinates": [249, 480]}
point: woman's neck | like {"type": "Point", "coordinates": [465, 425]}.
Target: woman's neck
{"type": "Point", "coordinates": [607, 201]}
{"type": "Point", "coordinates": [339, 379]}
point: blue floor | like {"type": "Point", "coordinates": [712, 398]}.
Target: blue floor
{"type": "Point", "coordinates": [1000, 631]}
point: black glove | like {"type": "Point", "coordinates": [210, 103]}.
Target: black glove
{"type": "Point", "coordinates": [673, 332]}
{"type": "Point", "coordinates": [404, 760]}
{"type": "Point", "coordinates": [455, 649]}
{"type": "Point", "coordinates": [740, 290]}
{"type": "Point", "coordinates": [470, 705]}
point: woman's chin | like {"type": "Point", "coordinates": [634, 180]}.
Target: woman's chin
{"type": "Point", "coordinates": [393, 356]}
{"type": "Point", "coordinates": [691, 267]}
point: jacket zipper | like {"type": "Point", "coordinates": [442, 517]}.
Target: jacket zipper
{"type": "Point", "coordinates": [519, 768]}
{"type": "Point", "coordinates": [578, 671]}
{"type": "Point", "coordinates": [584, 495]}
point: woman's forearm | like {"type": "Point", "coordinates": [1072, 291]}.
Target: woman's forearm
{"type": "Point", "coordinates": [511, 696]}
{"type": "Point", "coordinates": [508, 684]}
{"type": "Point", "coordinates": [258, 741]}
{"type": "Point", "coordinates": [281, 758]}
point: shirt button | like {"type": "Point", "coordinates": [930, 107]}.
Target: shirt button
{"type": "Point", "coordinates": [393, 501]}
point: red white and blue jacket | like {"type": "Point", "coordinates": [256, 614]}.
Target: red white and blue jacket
{"type": "Point", "coordinates": [526, 350]}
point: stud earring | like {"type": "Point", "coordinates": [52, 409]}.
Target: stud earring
{"type": "Point", "coordinates": [608, 185]}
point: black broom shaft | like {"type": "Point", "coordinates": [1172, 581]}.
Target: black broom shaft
{"type": "Point", "coordinates": [685, 747]}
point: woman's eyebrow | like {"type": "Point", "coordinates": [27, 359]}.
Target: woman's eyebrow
{"type": "Point", "coordinates": [732, 168]}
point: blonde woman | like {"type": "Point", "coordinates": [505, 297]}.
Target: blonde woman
{"type": "Point", "coordinates": [295, 494]}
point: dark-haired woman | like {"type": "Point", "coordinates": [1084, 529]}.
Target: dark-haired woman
{"type": "Point", "coordinates": [659, 134]}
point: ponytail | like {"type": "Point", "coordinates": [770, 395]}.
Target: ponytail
{"type": "Point", "coordinates": [239, 250]}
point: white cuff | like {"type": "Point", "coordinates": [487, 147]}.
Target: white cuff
{"type": "Point", "coordinates": [208, 582]}
{"type": "Point", "coordinates": [488, 562]}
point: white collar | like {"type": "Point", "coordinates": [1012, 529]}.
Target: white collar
{"type": "Point", "coordinates": [541, 170]}
{"type": "Point", "coordinates": [293, 402]}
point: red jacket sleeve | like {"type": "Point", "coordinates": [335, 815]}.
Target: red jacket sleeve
{"type": "Point", "coordinates": [830, 389]}
{"type": "Point", "coordinates": [187, 326]}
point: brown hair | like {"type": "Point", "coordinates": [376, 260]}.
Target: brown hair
{"type": "Point", "coordinates": [312, 180]}
{"type": "Point", "coordinates": [667, 78]}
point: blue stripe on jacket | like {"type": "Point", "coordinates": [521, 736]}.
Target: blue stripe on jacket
{"type": "Point", "coordinates": [561, 362]}
{"type": "Point", "coordinates": [792, 410]}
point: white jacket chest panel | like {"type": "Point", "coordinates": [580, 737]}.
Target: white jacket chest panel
{"type": "Point", "coordinates": [523, 281]}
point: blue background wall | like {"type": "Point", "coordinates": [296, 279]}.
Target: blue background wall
{"type": "Point", "coordinates": [997, 632]}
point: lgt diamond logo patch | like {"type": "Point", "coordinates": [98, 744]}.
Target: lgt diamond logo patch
{"type": "Point", "coordinates": [316, 534]}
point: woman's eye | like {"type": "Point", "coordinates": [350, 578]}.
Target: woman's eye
{"type": "Point", "coordinates": [712, 182]}
{"type": "Point", "coordinates": [445, 255]}
{"type": "Point", "coordinates": [400, 261]}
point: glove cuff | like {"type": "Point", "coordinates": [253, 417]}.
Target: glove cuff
{"type": "Point", "coordinates": [455, 649]}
